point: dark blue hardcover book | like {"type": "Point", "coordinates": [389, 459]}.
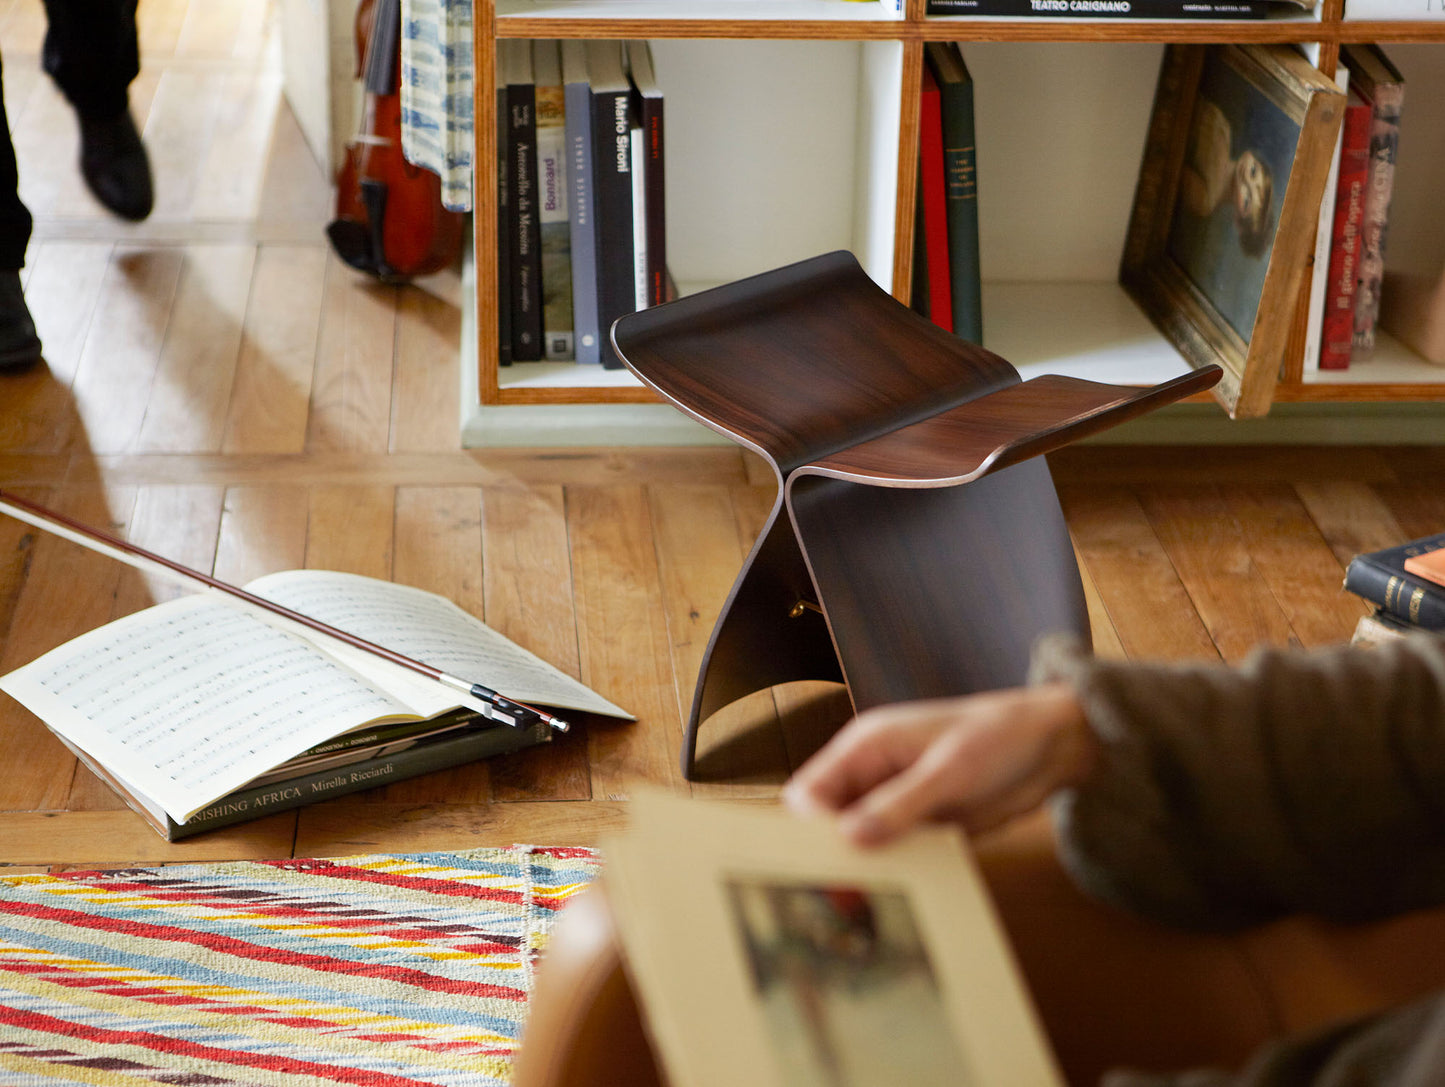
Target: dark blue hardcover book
{"type": "Point", "coordinates": [1381, 578]}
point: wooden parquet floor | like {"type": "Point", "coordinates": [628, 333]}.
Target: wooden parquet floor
{"type": "Point", "coordinates": [220, 390]}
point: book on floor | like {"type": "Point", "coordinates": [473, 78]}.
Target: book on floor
{"type": "Point", "coordinates": [1382, 578]}
{"type": "Point", "coordinates": [195, 700]}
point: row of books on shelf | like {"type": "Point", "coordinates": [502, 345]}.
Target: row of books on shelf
{"type": "Point", "coordinates": [1406, 586]}
{"type": "Point", "coordinates": [1120, 9]}
{"type": "Point", "coordinates": [1351, 296]}
{"type": "Point", "coordinates": [1423, 10]}
{"type": "Point", "coordinates": [581, 216]}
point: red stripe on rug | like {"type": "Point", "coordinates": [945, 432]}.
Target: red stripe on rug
{"type": "Point", "coordinates": [259, 952]}
{"type": "Point", "coordinates": [176, 1046]}
{"type": "Point", "coordinates": [374, 921]}
{"type": "Point", "coordinates": [420, 883]}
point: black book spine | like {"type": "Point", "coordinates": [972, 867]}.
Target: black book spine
{"type": "Point", "coordinates": [525, 238]}
{"type": "Point", "coordinates": [612, 173]}
{"type": "Point", "coordinates": [504, 233]}
{"type": "Point", "coordinates": [246, 804]}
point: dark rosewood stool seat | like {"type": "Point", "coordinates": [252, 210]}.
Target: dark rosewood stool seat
{"type": "Point", "coordinates": [923, 548]}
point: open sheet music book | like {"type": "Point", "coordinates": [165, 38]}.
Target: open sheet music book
{"type": "Point", "coordinates": [183, 704]}
{"type": "Point", "coordinates": [764, 950]}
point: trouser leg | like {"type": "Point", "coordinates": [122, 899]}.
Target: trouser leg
{"type": "Point", "coordinates": [92, 53]}
{"type": "Point", "coordinates": [15, 219]}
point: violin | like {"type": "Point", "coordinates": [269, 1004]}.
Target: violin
{"type": "Point", "coordinates": [390, 221]}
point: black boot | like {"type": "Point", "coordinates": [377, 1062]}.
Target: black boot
{"type": "Point", "coordinates": [114, 163]}
{"type": "Point", "coordinates": [19, 345]}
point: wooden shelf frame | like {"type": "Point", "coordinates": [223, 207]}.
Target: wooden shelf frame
{"type": "Point", "coordinates": [1327, 29]}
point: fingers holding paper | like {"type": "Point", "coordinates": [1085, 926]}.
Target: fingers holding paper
{"type": "Point", "coordinates": [978, 761]}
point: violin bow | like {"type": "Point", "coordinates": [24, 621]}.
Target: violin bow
{"type": "Point", "coordinates": [518, 714]}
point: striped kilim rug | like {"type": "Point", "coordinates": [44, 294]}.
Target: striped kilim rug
{"type": "Point", "coordinates": [391, 970]}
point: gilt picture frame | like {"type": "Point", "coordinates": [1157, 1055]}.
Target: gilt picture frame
{"type": "Point", "coordinates": [1223, 224]}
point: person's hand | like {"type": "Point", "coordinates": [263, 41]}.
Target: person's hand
{"type": "Point", "coordinates": [978, 761]}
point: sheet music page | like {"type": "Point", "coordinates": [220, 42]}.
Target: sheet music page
{"type": "Point", "coordinates": [427, 628]}
{"type": "Point", "coordinates": [191, 699]}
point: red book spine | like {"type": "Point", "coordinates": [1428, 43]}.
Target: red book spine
{"type": "Point", "coordinates": [1338, 331]}
{"type": "Point", "coordinates": [935, 204]}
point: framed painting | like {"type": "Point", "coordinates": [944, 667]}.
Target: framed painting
{"type": "Point", "coordinates": [764, 950]}
{"type": "Point", "coordinates": [1234, 166]}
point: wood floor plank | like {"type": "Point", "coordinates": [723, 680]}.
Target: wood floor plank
{"type": "Point", "coordinates": [186, 412]}
{"type": "Point", "coordinates": [23, 29]}
{"type": "Point", "coordinates": [120, 838]}
{"type": "Point", "coordinates": [1294, 558]}
{"type": "Point", "coordinates": [179, 130]}
{"type": "Point", "coordinates": [61, 292]}
{"type": "Point", "coordinates": [1208, 552]}
{"type": "Point", "coordinates": [426, 391]}
{"type": "Point", "coordinates": [699, 556]}
{"type": "Point", "coordinates": [263, 531]}
{"type": "Point", "coordinates": [350, 826]}
{"type": "Point", "coordinates": [119, 360]}
{"type": "Point", "coordinates": [274, 373]}
{"type": "Point", "coordinates": [228, 185]}
{"type": "Point", "coordinates": [220, 28]}
{"type": "Point", "coordinates": [439, 548]}
{"type": "Point", "coordinates": [1100, 465]}
{"type": "Point", "coordinates": [181, 523]}
{"type": "Point", "coordinates": [1351, 516]}
{"type": "Point", "coordinates": [158, 25]}
{"type": "Point", "coordinates": [350, 529]}
{"type": "Point", "coordinates": [527, 577]}
{"type": "Point", "coordinates": [1417, 504]}
{"type": "Point", "coordinates": [1147, 604]}
{"type": "Point", "coordinates": [68, 590]}
{"type": "Point", "coordinates": [1105, 638]}
{"type": "Point", "coordinates": [624, 644]}
{"type": "Point", "coordinates": [351, 392]}
{"type": "Point", "coordinates": [491, 467]}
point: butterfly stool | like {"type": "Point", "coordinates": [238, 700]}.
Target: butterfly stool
{"type": "Point", "coordinates": [916, 548]}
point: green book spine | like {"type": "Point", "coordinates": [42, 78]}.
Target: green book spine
{"type": "Point", "coordinates": [277, 796]}
{"type": "Point", "coordinates": [960, 172]}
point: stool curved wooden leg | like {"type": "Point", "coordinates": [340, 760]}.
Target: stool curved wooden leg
{"type": "Point", "coordinates": [759, 639]}
{"type": "Point", "coordinates": [933, 592]}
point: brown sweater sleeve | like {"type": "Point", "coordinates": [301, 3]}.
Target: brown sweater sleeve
{"type": "Point", "coordinates": [1298, 781]}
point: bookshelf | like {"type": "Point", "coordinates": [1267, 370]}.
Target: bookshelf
{"type": "Point", "coordinates": [792, 130]}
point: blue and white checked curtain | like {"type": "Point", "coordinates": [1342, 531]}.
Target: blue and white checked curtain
{"type": "Point", "coordinates": [436, 93]}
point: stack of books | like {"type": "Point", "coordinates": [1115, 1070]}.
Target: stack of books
{"type": "Point", "coordinates": [1406, 584]}
{"type": "Point", "coordinates": [581, 221]}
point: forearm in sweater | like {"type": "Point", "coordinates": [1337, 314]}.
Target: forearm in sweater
{"type": "Point", "coordinates": [1298, 781]}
